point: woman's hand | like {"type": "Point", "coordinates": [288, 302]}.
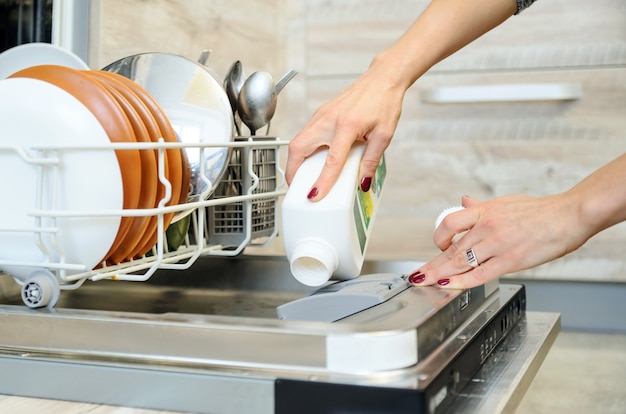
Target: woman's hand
{"type": "Point", "coordinates": [506, 234]}
{"type": "Point", "coordinates": [369, 111]}
{"type": "Point", "coordinates": [517, 232]}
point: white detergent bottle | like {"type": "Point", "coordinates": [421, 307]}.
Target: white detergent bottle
{"type": "Point", "coordinates": [328, 238]}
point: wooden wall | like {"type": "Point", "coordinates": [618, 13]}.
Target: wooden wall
{"type": "Point", "coordinates": [440, 151]}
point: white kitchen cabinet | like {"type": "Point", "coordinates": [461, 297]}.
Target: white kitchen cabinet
{"type": "Point", "coordinates": [344, 35]}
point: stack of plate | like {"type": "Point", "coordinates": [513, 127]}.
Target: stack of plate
{"type": "Point", "coordinates": [63, 103]}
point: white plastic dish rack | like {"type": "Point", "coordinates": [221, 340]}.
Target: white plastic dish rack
{"type": "Point", "coordinates": [242, 211]}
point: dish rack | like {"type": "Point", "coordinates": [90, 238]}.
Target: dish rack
{"type": "Point", "coordinates": [241, 211]}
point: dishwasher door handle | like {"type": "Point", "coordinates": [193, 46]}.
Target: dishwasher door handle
{"type": "Point", "coordinates": [527, 92]}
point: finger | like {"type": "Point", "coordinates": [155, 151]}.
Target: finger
{"type": "Point", "coordinates": [435, 269]}
{"type": "Point", "coordinates": [487, 271]}
{"type": "Point", "coordinates": [376, 146]}
{"type": "Point", "coordinates": [452, 262]}
{"type": "Point", "coordinates": [295, 158]}
{"type": "Point", "coordinates": [301, 146]}
{"type": "Point", "coordinates": [336, 158]}
{"type": "Point", "coordinates": [467, 201]}
{"type": "Point", "coordinates": [461, 260]}
{"type": "Point", "coordinates": [453, 224]}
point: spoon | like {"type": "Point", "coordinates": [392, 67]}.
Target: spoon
{"type": "Point", "coordinates": [233, 84]}
{"type": "Point", "coordinates": [257, 98]}
{"type": "Point", "coordinates": [279, 87]}
{"type": "Point", "coordinates": [285, 80]}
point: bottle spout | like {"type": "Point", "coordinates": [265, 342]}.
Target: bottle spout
{"type": "Point", "coordinates": [313, 262]}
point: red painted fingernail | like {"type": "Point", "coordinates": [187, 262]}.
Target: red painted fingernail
{"type": "Point", "coordinates": [312, 193]}
{"type": "Point", "coordinates": [417, 278]}
{"type": "Point", "coordinates": [443, 282]}
{"type": "Point", "coordinates": [366, 183]}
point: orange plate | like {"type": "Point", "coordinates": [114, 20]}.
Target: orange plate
{"type": "Point", "coordinates": [149, 171]}
{"type": "Point", "coordinates": [154, 133]}
{"type": "Point", "coordinates": [112, 118]}
{"type": "Point", "coordinates": [179, 169]}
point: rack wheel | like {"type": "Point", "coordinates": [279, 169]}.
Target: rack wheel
{"type": "Point", "coordinates": [40, 290]}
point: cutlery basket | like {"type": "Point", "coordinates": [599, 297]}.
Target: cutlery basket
{"type": "Point", "coordinates": [252, 170]}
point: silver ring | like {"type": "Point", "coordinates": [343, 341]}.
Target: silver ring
{"type": "Point", "coordinates": [470, 256]}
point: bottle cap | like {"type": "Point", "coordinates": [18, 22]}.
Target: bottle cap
{"type": "Point", "coordinates": [443, 215]}
{"type": "Point", "coordinates": [313, 262]}
{"type": "Point", "coordinates": [445, 212]}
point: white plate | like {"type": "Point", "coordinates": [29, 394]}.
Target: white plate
{"type": "Point", "coordinates": [34, 54]}
{"type": "Point", "coordinates": [33, 112]}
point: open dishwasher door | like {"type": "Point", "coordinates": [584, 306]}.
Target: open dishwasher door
{"type": "Point", "coordinates": [209, 340]}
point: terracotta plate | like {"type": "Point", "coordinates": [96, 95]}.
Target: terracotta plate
{"type": "Point", "coordinates": [179, 166]}
{"type": "Point", "coordinates": [140, 224]}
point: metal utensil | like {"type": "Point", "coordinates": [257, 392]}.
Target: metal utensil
{"type": "Point", "coordinates": [285, 80]}
{"type": "Point", "coordinates": [279, 87]}
{"type": "Point", "coordinates": [257, 98]}
{"type": "Point", "coordinates": [204, 57]}
{"type": "Point", "coordinates": [233, 83]}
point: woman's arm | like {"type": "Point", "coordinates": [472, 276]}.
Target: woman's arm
{"type": "Point", "coordinates": [370, 108]}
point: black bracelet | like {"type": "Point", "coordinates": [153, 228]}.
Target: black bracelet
{"type": "Point", "coordinates": [522, 4]}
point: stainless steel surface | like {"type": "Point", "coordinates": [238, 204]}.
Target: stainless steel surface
{"type": "Point", "coordinates": [256, 100]}
{"type": "Point", "coordinates": [258, 97]}
{"type": "Point", "coordinates": [194, 389]}
{"type": "Point", "coordinates": [503, 380]}
{"type": "Point", "coordinates": [204, 57]}
{"type": "Point", "coordinates": [233, 81]}
{"type": "Point", "coordinates": [195, 103]}
{"type": "Point", "coordinates": [282, 82]}
{"type": "Point", "coordinates": [196, 340]}
{"type": "Point", "coordinates": [211, 313]}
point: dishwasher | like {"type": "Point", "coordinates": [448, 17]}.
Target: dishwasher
{"type": "Point", "coordinates": [196, 324]}
{"type": "Point", "coordinates": [208, 328]}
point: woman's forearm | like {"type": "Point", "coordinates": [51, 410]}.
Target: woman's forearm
{"type": "Point", "coordinates": [601, 196]}
{"type": "Point", "coordinates": [442, 29]}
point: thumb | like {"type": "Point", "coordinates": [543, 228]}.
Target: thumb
{"type": "Point", "coordinates": [467, 201]}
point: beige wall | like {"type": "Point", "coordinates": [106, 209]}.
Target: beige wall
{"type": "Point", "coordinates": [252, 31]}
{"type": "Point", "coordinates": [440, 152]}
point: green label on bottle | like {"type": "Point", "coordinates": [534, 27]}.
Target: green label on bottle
{"type": "Point", "coordinates": [365, 203]}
